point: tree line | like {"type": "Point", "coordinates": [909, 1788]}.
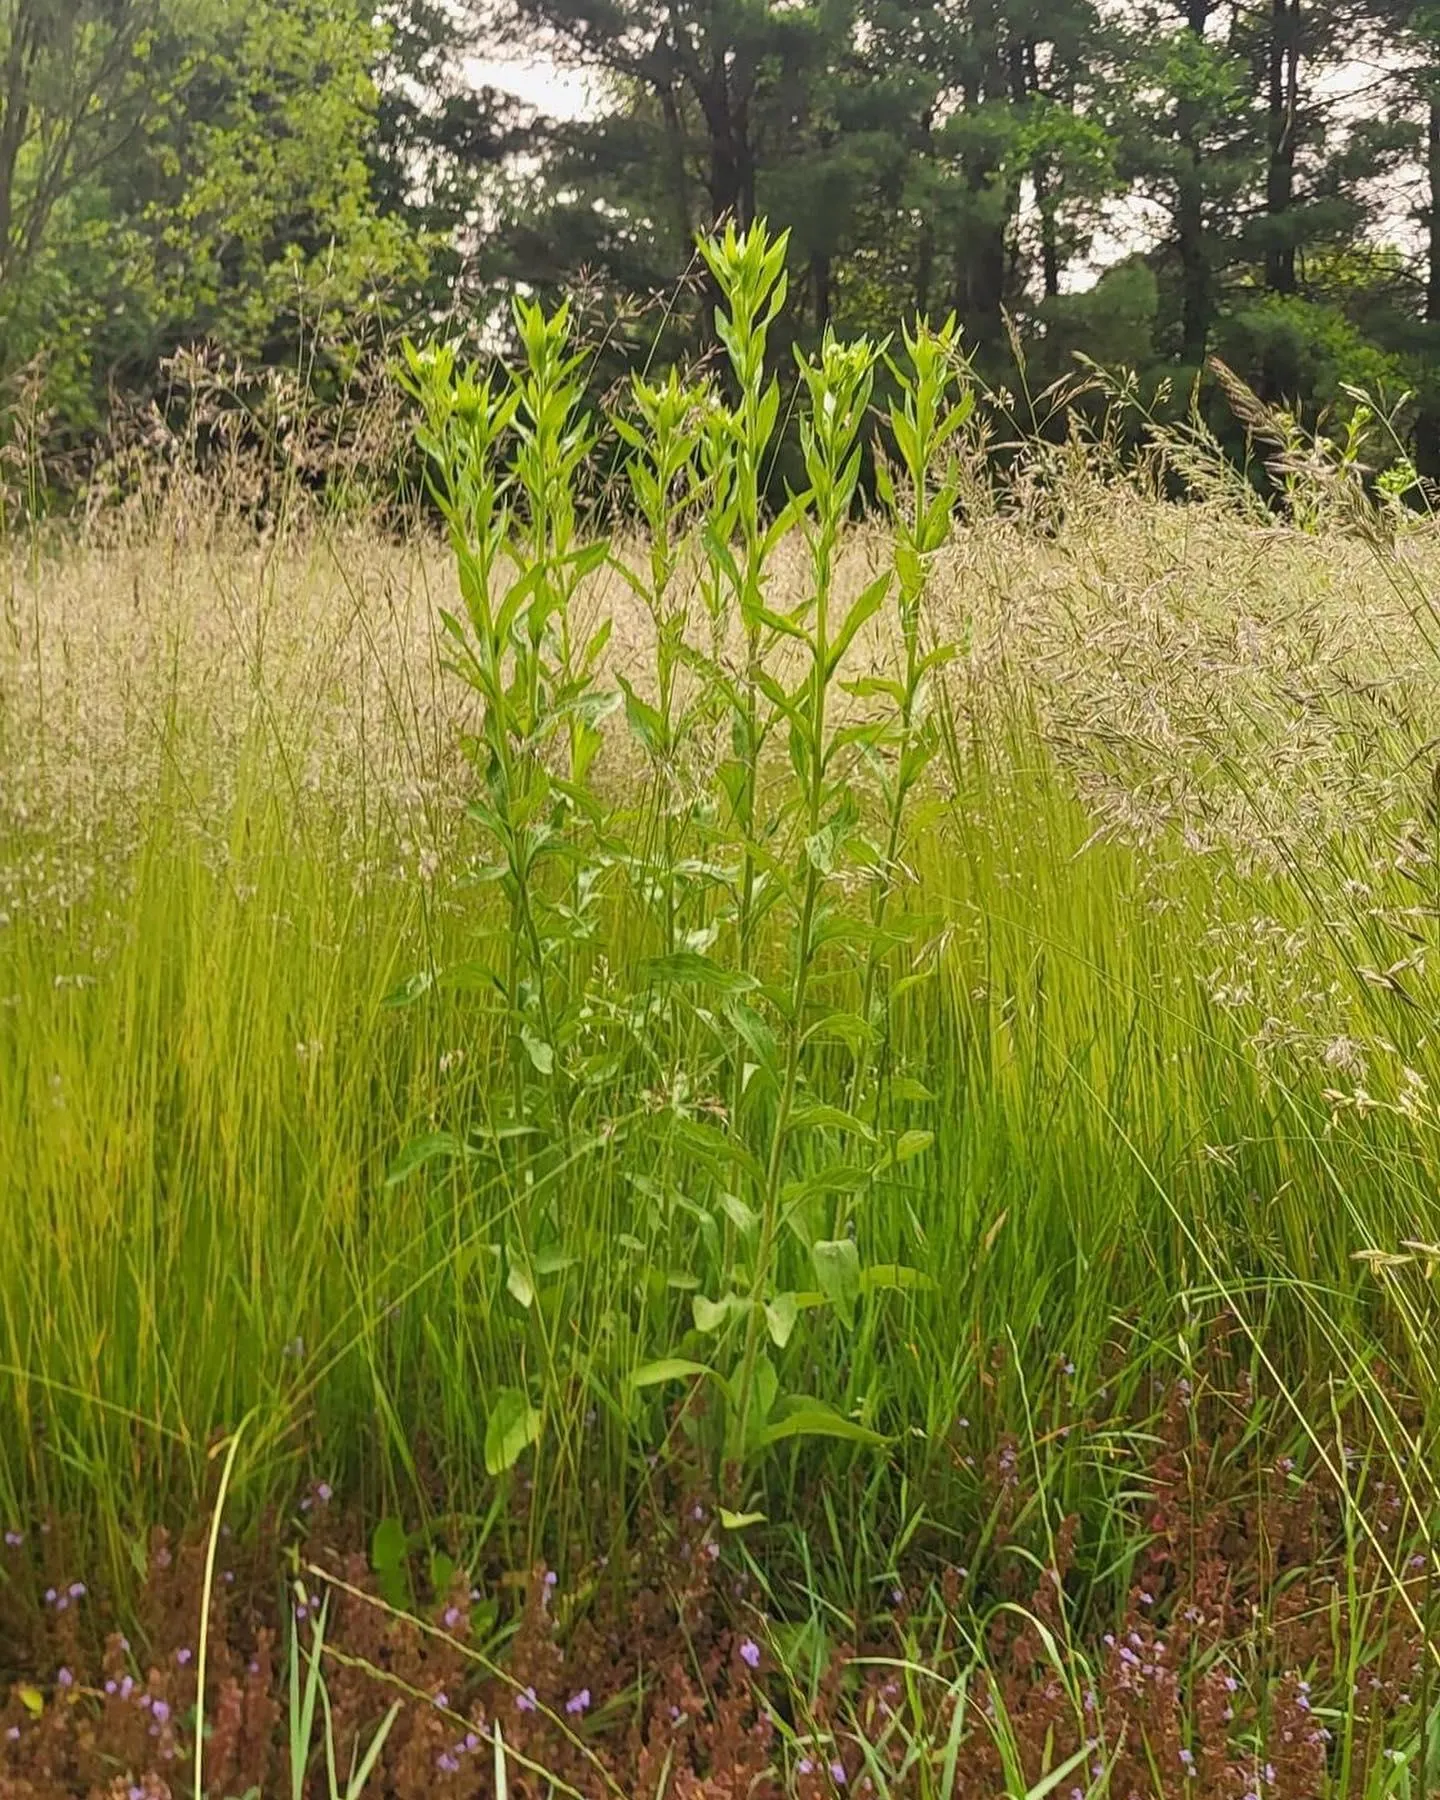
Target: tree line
{"type": "Point", "coordinates": [1145, 183]}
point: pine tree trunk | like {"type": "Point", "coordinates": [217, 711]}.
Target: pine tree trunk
{"type": "Point", "coordinates": [822, 289]}
{"type": "Point", "coordinates": [1195, 284]}
{"type": "Point", "coordinates": [1427, 422]}
{"type": "Point", "coordinates": [1283, 103]}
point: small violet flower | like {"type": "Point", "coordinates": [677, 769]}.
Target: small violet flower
{"type": "Point", "coordinates": [750, 1654]}
{"type": "Point", "coordinates": [525, 1702]}
{"type": "Point", "coordinates": [578, 1702]}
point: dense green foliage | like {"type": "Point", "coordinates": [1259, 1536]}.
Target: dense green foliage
{"type": "Point", "coordinates": [780, 961]}
{"type": "Point", "coordinates": [1150, 185]}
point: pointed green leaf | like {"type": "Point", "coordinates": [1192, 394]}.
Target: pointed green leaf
{"type": "Point", "coordinates": [690, 967]}
{"type": "Point", "coordinates": [837, 1269]}
{"type": "Point", "coordinates": [831, 1118]}
{"type": "Point", "coordinates": [812, 1419]}
{"type": "Point", "coordinates": [513, 1425]}
{"type": "Point", "coordinates": [410, 989]}
{"type": "Point", "coordinates": [780, 1317]}
{"type": "Point", "coordinates": [668, 1368]}
{"type": "Point", "coordinates": [421, 1150]}
{"type": "Point", "coordinates": [539, 1052]}
{"type": "Point", "coordinates": [519, 1284]}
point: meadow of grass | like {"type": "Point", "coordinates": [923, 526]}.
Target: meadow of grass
{"type": "Point", "coordinates": [885, 1017]}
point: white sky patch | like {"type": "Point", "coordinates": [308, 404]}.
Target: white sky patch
{"type": "Point", "coordinates": [559, 93]}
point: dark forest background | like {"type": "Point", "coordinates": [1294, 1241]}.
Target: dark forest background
{"type": "Point", "coordinates": [1143, 183]}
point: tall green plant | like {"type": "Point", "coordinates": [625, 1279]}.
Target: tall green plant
{"type": "Point", "coordinates": [749, 270]}
{"type": "Point", "coordinates": [927, 417]}
{"type": "Point", "coordinates": [521, 555]}
{"type": "Point", "coordinates": [791, 1146]}
{"type": "Point", "coordinates": [671, 484]}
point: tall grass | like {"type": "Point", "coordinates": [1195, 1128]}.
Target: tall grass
{"type": "Point", "coordinates": [889, 985]}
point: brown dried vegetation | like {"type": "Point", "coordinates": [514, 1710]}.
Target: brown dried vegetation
{"type": "Point", "coordinates": [1240, 1624]}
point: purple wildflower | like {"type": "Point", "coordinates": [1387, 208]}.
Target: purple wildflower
{"type": "Point", "coordinates": [183, 1655]}
{"type": "Point", "coordinates": [324, 1492]}
{"type": "Point", "coordinates": [49, 1596]}
{"type": "Point", "coordinates": [472, 1742]}
{"type": "Point", "coordinates": [446, 1763]}
{"type": "Point", "coordinates": [13, 1733]}
{"type": "Point", "coordinates": [161, 1710]}
{"type": "Point", "coordinates": [452, 1617]}
{"type": "Point", "coordinates": [14, 1538]}
{"type": "Point", "coordinates": [110, 1685]}
{"type": "Point", "coordinates": [65, 1679]}
{"type": "Point", "coordinates": [578, 1702]}
{"type": "Point", "coordinates": [837, 1772]}
{"type": "Point", "coordinates": [525, 1702]}
{"type": "Point", "coordinates": [750, 1654]}
{"type": "Point", "coordinates": [77, 1590]}
{"type": "Point", "coordinates": [804, 1766]}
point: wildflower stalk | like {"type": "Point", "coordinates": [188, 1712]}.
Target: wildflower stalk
{"type": "Point", "coordinates": [521, 557]}
{"type": "Point", "coordinates": [839, 383]}
{"type": "Point", "coordinates": [749, 270]}
{"type": "Point", "coordinates": [669, 488]}
{"type": "Point", "coordinates": [932, 408]}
